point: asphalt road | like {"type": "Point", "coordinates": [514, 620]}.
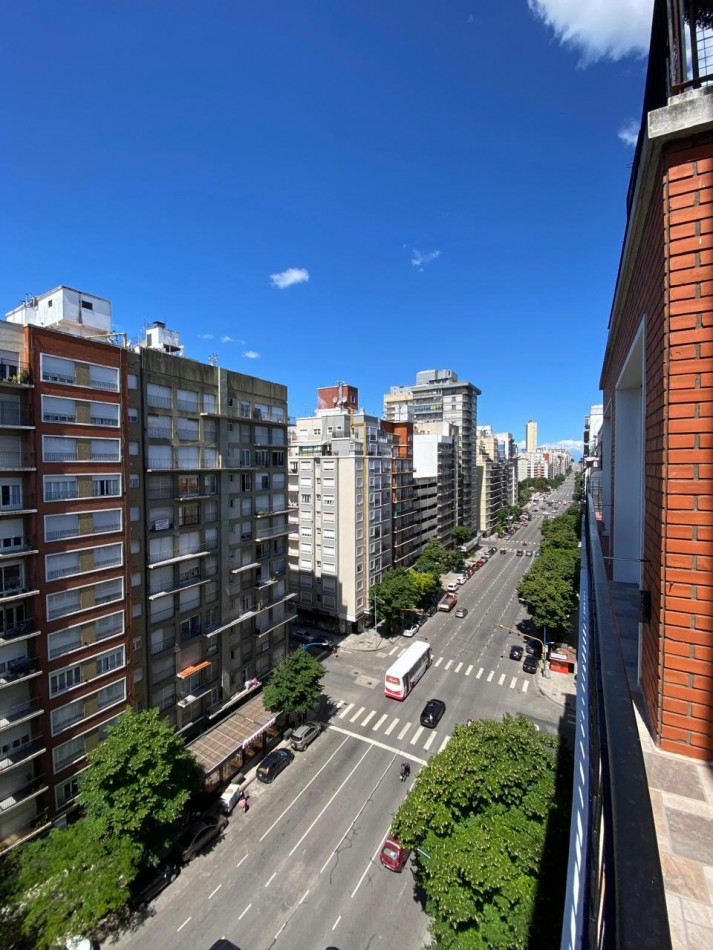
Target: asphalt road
{"type": "Point", "coordinates": [300, 870]}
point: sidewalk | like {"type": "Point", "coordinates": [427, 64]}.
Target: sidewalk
{"type": "Point", "coordinates": [557, 686]}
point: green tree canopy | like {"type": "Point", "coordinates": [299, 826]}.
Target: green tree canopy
{"type": "Point", "coordinates": [67, 882]}
{"type": "Point", "coordinates": [426, 585]}
{"type": "Point", "coordinates": [434, 559]}
{"type": "Point", "coordinates": [139, 781]}
{"type": "Point", "coordinates": [479, 813]}
{"type": "Point", "coordinates": [396, 592]}
{"type": "Point", "coordinates": [461, 534]}
{"type": "Point", "coordinates": [294, 686]}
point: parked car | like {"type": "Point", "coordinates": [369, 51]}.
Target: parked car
{"type": "Point", "coordinates": [149, 884]}
{"type": "Point", "coordinates": [516, 652]}
{"type": "Point", "coordinates": [533, 647]}
{"type": "Point", "coordinates": [452, 587]}
{"type": "Point", "coordinates": [519, 552]}
{"type": "Point", "coordinates": [432, 712]}
{"type": "Point", "coordinates": [461, 611]}
{"type": "Point", "coordinates": [462, 579]}
{"type": "Point", "coordinates": [530, 664]}
{"type": "Point", "coordinates": [304, 734]}
{"type": "Point", "coordinates": [224, 944]}
{"type": "Point", "coordinates": [528, 553]}
{"type": "Point", "coordinates": [392, 855]}
{"type": "Point", "coordinates": [503, 550]}
{"type": "Point", "coordinates": [492, 550]}
{"type": "Point", "coordinates": [304, 636]}
{"type": "Point", "coordinates": [535, 553]}
{"type": "Point", "coordinates": [479, 563]}
{"type": "Point", "coordinates": [198, 834]}
{"type": "Point", "coordinates": [410, 631]}
{"type": "Point", "coordinates": [230, 798]}
{"type": "Point", "coordinates": [273, 763]}
{"type": "Point", "coordinates": [431, 610]}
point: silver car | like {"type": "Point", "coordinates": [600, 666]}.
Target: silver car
{"type": "Point", "coordinates": [304, 734]}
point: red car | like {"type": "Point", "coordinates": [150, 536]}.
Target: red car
{"type": "Point", "coordinates": [392, 855]}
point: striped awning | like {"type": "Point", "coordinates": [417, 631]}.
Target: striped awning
{"type": "Point", "coordinates": [235, 732]}
{"type": "Point", "coordinates": [190, 670]}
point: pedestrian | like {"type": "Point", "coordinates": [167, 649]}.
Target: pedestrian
{"type": "Point", "coordinates": [335, 653]}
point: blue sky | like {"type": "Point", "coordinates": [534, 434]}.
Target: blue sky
{"type": "Point", "coordinates": [332, 190]}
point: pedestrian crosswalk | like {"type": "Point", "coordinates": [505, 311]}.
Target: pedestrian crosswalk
{"type": "Point", "coordinates": [460, 667]}
{"type": "Point", "coordinates": [407, 734]}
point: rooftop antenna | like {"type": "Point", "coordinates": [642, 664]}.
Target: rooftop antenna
{"type": "Point", "coordinates": [213, 359]}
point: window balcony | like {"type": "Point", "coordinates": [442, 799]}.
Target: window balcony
{"type": "Point", "coordinates": [163, 614]}
{"type": "Point", "coordinates": [186, 406]}
{"type": "Point", "coordinates": [18, 631]}
{"type": "Point", "coordinates": [159, 432]}
{"type": "Point", "coordinates": [18, 670]}
{"type": "Point", "coordinates": [15, 416]}
{"type": "Point", "coordinates": [159, 402]}
{"type": "Point", "coordinates": [187, 435]}
{"type": "Point", "coordinates": [168, 643]}
{"type": "Point", "coordinates": [23, 753]}
{"type": "Point", "coordinates": [16, 460]}
{"type": "Point", "coordinates": [183, 554]}
{"type": "Point", "coordinates": [15, 592]}
{"type": "Point", "coordinates": [104, 421]}
{"type": "Point", "coordinates": [20, 712]}
{"type": "Point", "coordinates": [22, 794]}
{"type": "Point", "coordinates": [15, 373]}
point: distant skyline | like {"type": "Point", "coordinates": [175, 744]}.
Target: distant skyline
{"type": "Point", "coordinates": [335, 192]}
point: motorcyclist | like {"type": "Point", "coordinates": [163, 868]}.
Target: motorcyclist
{"type": "Point", "coordinates": [405, 771]}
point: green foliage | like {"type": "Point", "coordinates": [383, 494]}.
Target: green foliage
{"type": "Point", "coordinates": [396, 592]}
{"type": "Point", "coordinates": [434, 559]}
{"type": "Point", "coordinates": [549, 587]}
{"type": "Point", "coordinates": [480, 810]}
{"type": "Point", "coordinates": [294, 686]}
{"type": "Point", "coordinates": [138, 782]}
{"type": "Point", "coordinates": [67, 882]}
{"type": "Point", "coordinates": [461, 534]}
{"type": "Point", "coordinates": [426, 585]}
{"type": "Point", "coordinates": [505, 516]}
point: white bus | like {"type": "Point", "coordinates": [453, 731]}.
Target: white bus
{"type": "Point", "coordinates": [402, 676]}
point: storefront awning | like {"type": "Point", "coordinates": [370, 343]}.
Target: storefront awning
{"type": "Point", "coordinates": [190, 670]}
{"type": "Point", "coordinates": [245, 725]}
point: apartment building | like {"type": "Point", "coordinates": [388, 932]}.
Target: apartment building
{"type": "Point", "coordinates": [530, 437]}
{"type": "Point", "coordinates": [435, 453]}
{"type": "Point", "coordinates": [143, 541]}
{"type": "Point", "coordinates": [507, 454]}
{"type": "Point", "coordinates": [497, 482]}
{"type": "Point", "coordinates": [340, 484]}
{"type": "Point", "coordinates": [405, 528]}
{"type": "Point", "coordinates": [439, 396]}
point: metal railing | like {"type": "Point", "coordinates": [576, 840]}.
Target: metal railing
{"type": "Point", "coordinates": [614, 866]}
{"type": "Point", "coordinates": [17, 460]}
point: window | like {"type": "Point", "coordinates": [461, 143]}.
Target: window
{"type": "Point", "coordinates": [136, 579]}
{"type": "Point", "coordinates": [67, 716]}
{"type": "Point", "coordinates": [246, 481]}
{"type": "Point", "coordinates": [65, 679]}
{"type": "Point", "coordinates": [133, 448]}
{"type": "Point", "coordinates": [134, 513]}
{"type": "Point", "coordinates": [62, 603]}
{"type": "Point", "coordinates": [111, 694]}
{"type": "Point", "coordinates": [110, 661]}
{"type": "Point", "coordinates": [135, 546]}
{"type": "Point", "coordinates": [106, 485]}
{"type": "Point", "coordinates": [10, 496]}
{"type": "Point", "coordinates": [66, 791]}
{"type": "Point", "coordinates": [55, 409]}
{"type": "Point", "coordinates": [56, 370]}
{"type": "Point", "coordinates": [67, 753]}
{"type": "Point", "coordinates": [87, 305]}
{"type": "Point", "coordinates": [104, 377]}
{"type": "Point", "coordinates": [132, 381]}
{"type": "Point", "coordinates": [134, 481]}
{"type": "Point", "coordinates": [187, 400]}
{"type": "Point", "coordinates": [133, 415]}
{"type": "Point", "coordinates": [209, 402]}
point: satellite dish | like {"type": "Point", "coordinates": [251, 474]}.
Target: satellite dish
{"type": "Point", "coordinates": [335, 400]}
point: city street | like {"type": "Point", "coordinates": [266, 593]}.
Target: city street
{"type": "Point", "coordinates": [300, 870]}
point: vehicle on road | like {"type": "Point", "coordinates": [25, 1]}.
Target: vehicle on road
{"type": "Point", "coordinates": [304, 734]}
{"type": "Point", "coordinates": [224, 944]}
{"type": "Point", "coordinates": [150, 882]}
{"type": "Point", "coordinates": [432, 712]}
{"type": "Point", "coordinates": [273, 763]}
{"type": "Point", "coordinates": [503, 550]}
{"type": "Point", "coordinates": [516, 652]}
{"type": "Point", "coordinates": [402, 676]}
{"type": "Point", "coordinates": [447, 602]}
{"type": "Point", "coordinates": [392, 855]}
{"type": "Point", "coordinates": [528, 553]}
{"type": "Point", "coordinates": [452, 587]}
{"type": "Point", "coordinates": [410, 631]}
{"type": "Point", "coordinates": [230, 798]}
{"type": "Point", "coordinates": [530, 664]}
{"type": "Point", "coordinates": [461, 612]}
{"type": "Point", "coordinates": [535, 553]}
{"type": "Point", "coordinates": [519, 552]}
{"type": "Point", "coordinates": [314, 639]}
{"type": "Point", "coordinates": [198, 834]}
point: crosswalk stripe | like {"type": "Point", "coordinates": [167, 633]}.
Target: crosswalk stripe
{"type": "Point", "coordinates": [404, 731]}
{"type": "Point", "coordinates": [368, 717]}
{"type": "Point", "coordinates": [501, 680]}
{"type": "Point", "coordinates": [391, 727]}
{"type": "Point", "coordinates": [415, 736]}
{"type": "Point", "coordinates": [512, 682]}
{"type": "Point", "coordinates": [467, 672]}
{"type": "Point", "coordinates": [438, 661]}
{"type": "Point", "coordinates": [524, 686]}
{"type": "Point", "coordinates": [378, 724]}
{"type": "Point", "coordinates": [393, 650]}
{"type": "Point", "coordinates": [491, 674]}
{"type": "Point", "coordinates": [449, 664]}
{"type": "Point", "coordinates": [444, 743]}
{"type": "Point", "coordinates": [480, 673]}
{"type": "Point", "coordinates": [357, 714]}
{"type": "Point", "coordinates": [427, 743]}
{"type": "Point", "coordinates": [346, 709]}
{"type": "Point", "coordinates": [457, 669]}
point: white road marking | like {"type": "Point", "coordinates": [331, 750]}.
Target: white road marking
{"type": "Point", "coordinates": [391, 727]}
{"type": "Point", "coordinates": [512, 682]}
{"type": "Point", "coordinates": [379, 745]}
{"type": "Point", "coordinates": [491, 674]}
{"type": "Point", "coordinates": [183, 924]}
{"type": "Point", "coordinates": [444, 743]}
{"type": "Point", "coordinates": [370, 862]}
{"type": "Point", "coordinates": [377, 725]}
{"type": "Point", "coordinates": [438, 661]}
{"type": "Point", "coordinates": [480, 673]}
{"type": "Point", "coordinates": [457, 669]}
{"type": "Point", "coordinates": [346, 709]}
{"type": "Point", "coordinates": [417, 733]}
{"type": "Point", "coordinates": [393, 650]}
{"type": "Point", "coordinates": [336, 922]}
{"type": "Point", "coordinates": [270, 879]}
{"type": "Point", "coordinates": [404, 731]}
{"type": "Point", "coordinates": [449, 664]}
{"type": "Point", "coordinates": [369, 717]}
{"type": "Point", "coordinates": [213, 893]}
{"type": "Point", "coordinates": [280, 931]}
{"type": "Point", "coordinates": [427, 743]}
{"type": "Point", "coordinates": [467, 672]}
{"type": "Point", "coordinates": [501, 679]}
{"type": "Point", "coordinates": [241, 861]}
{"type": "Point", "coordinates": [304, 896]}
{"type": "Point", "coordinates": [357, 714]}
{"type": "Point", "coordinates": [524, 686]}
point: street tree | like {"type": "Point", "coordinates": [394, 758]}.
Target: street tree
{"type": "Point", "coordinates": [549, 598]}
{"type": "Point", "coordinates": [434, 559]}
{"type": "Point", "coordinates": [482, 818]}
{"type": "Point", "coordinates": [461, 534]}
{"type": "Point", "coordinates": [139, 780]}
{"type": "Point", "coordinates": [395, 593]}
{"type": "Point", "coordinates": [294, 685]}
{"type": "Point", "coordinates": [426, 585]}
{"type": "Point", "coordinates": [69, 881]}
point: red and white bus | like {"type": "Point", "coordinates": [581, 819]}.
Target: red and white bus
{"type": "Point", "coordinates": [402, 676]}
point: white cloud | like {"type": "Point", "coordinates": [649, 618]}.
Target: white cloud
{"type": "Point", "coordinates": [293, 275]}
{"type": "Point", "coordinates": [420, 258]}
{"type": "Point", "coordinates": [205, 336]}
{"type": "Point", "coordinates": [629, 133]}
{"type": "Point", "coordinates": [600, 29]}
{"type": "Point", "coordinates": [231, 339]}
{"type": "Point", "coordinates": [251, 355]}
{"type": "Point", "coordinates": [573, 446]}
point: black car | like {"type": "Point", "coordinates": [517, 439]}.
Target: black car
{"type": "Point", "coordinates": [273, 763]}
{"type": "Point", "coordinates": [432, 712]}
{"type": "Point", "coordinates": [530, 664]}
{"type": "Point", "coordinates": [516, 652]}
{"type": "Point", "coordinates": [149, 883]}
{"type": "Point", "coordinates": [198, 834]}
{"type": "Point", "coordinates": [519, 553]}
{"type": "Point", "coordinates": [533, 647]}
{"type": "Point", "coordinates": [304, 636]}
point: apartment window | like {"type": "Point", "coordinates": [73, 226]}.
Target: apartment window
{"type": "Point", "coordinates": [245, 457]}
{"type": "Point", "coordinates": [187, 400]}
{"type": "Point", "coordinates": [133, 415]}
{"type": "Point", "coordinates": [134, 481]}
{"type": "Point", "coordinates": [278, 459]}
{"type": "Point", "coordinates": [134, 513]}
{"type": "Point", "coordinates": [209, 402]}
{"type": "Point", "coordinates": [67, 753]}
{"type": "Point", "coordinates": [56, 370]}
{"type": "Point", "coordinates": [65, 792]}
{"type": "Point", "coordinates": [65, 679]}
{"type": "Point", "coordinates": [55, 409]}
{"type": "Point", "coordinates": [246, 481]}
{"type": "Point", "coordinates": [133, 448]}
{"type": "Point", "coordinates": [305, 499]}
{"type": "Point", "coordinates": [210, 485]}
{"type": "Point", "coordinates": [110, 661]}
{"type": "Point", "coordinates": [62, 603]}
{"type": "Point", "coordinates": [106, 486]}
{"type": "Point", "coordinates": [244, 408]}
{"type": "Point", "coordinates": [10, 496]}
{"type": "Point", "coordinates": [262, 458]}
{"type": "Point", "coordinates": [135, 546]}
{"type": "Point", "coordinates": [132, 381]}
{"type": "Point", "coordinates": [111, 694]}
{"type": "Point", "coordinates": [136, 610]}
{"type": "Point", "coordinates": [67, 716]}
{"type": "Point", "coordinates": [64, 641]}
{"type": "Point", "coordinates": [136, 579]}
{"type": "Point", "coordinates": [188, 485]}
{"type": "Point", "coordinates": [158, 397]}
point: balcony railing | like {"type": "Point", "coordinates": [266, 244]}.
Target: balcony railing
{"type": "Point", "coordinates": [22, 628]}
{"type": "Point", "coordinates": [614, 864]}
{"type": "Point", "coordinates": [13, 414]}
{"type": "Point", "coordinates": [19, 711]}
{"type": "Point", "coordinates": [17, 755]}
{"type": "Point", "coordinates": [17, 460]}
{"type": "Point", "coordinates": [22, 793]}
{"type": "Point", "coordinates": [159, 432]}
{"type": "Point", "coordinates": [159, 402]}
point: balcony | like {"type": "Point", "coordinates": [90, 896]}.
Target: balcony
{"type": "Point", "coordinates": [18, 550]}
{"type": "Point", "coordinates": [159, 432]}
{"type": "Point", "coordinates": [159, 402]}
{"type": "Point", "coordinates": [185, 406]}
{"type": "Point", "coordinates": [22, 794]}
{"type": "Point", "coordinates": [20, 712]}
{"type": "Point", "coordinates": [23, 753]}
{"type": "Point", "coordinates": [17, 461]}
{"type": "Point", "coordinates": [15, 416]}
{"type": "Point", "coordinates": [15, 592]}
{"type": "Point", "coordinates": [199, 550]}
{"type": "Point", "coordinates": [18, 631]}
{"type": "Point", "coordinates": [18, 670]}
{"type": "Point", "coordinates": [15, 373]}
